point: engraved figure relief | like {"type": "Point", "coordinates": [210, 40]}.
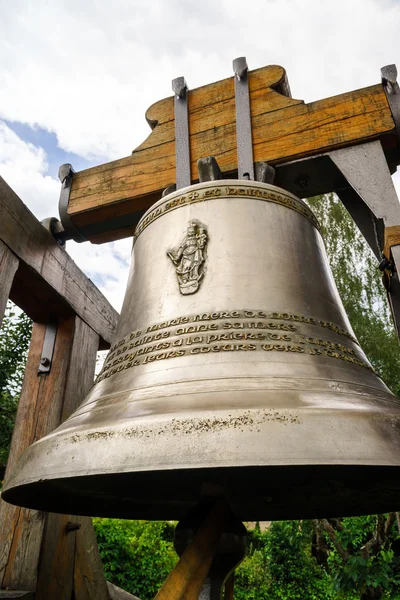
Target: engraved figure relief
{"type": "Point", "coordinates": [190, 257]}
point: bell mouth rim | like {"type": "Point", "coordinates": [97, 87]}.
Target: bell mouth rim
{"type": "Point", "coordinates": [118, 497]}
{"type": "Point", "coordinates": [244, 183]}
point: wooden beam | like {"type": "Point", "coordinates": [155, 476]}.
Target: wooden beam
{"type": "Point", "coordinates": [37, 550]}
{"type": "Point", "coordinates": [283, 129]}
{"type": "Point", "coordinates": [16, 595]}
{"type": "Point", "coordinates": [89, 578]}
{"type": "Point", "coordinates": [8, 266]}
{"type": "Point", "coordinates": [230, 587]}
{"type": "Point", "coordinates": [186, 580]}
{"type": "Point", "coordinates": [56, 285]}
{"type": "Point", "coordinates": [70, 564]}
{"type": "Point", "coordinates": [39, 412]}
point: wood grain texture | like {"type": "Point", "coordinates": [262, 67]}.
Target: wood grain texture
{"type": "Point", "coordinates": [39, 412]}
{"type": "Point", "coordinates": [8, 266]}
{"type": "Point", "coordinates": [283, 129]}
{"type": "Point", "coordinates": [89, 579]}
{"type": "Point", "coordinates": [53, 279]}
{"type": "Point", "coordinates": [186, 580]}
{"type": "Point", "coordinates": [36, 550]}
{"type": "Point", "coordinates": [16, 595]}
{"type": "Point", "coordinates": [70, 561]}
{"type": "Point", "coordinates": [230, 587]}
{"type": "Point", "coordinates": [57, 558]}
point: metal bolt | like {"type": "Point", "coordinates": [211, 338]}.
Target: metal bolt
{"type": "Point", "coordinates": [70, 526]}
{"type": "Point", "coordinates": [386, 265]}
{"type": "Point", "coordinates": [302, 181]}
{"type": "Point", "coordinates": [45, 361]}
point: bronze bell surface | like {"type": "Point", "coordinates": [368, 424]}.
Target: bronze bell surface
{"type": "Point", "coordinates": [234, 363]}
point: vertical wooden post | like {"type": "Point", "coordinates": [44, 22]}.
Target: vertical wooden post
{"type": "Point", "coordinates": [8, 266]}
{"type": "Point", "coordinates": [70, 560]}
{"type": "Point", "coordinates": [36, 551]}
{"type": "Point", "coordinates": [229, 587]}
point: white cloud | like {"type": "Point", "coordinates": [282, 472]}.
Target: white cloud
{"type": "Point", "coordinates": [107, 265]}
{"type": "Point", "coordinates": [88, 70]}
{"type": "Point", "coordinates": [24, 167]}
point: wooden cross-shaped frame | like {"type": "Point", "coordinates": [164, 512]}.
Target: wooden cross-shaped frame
{"type": "Point", "coordinates": [348, 144]}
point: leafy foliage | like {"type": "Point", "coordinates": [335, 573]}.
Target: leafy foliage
{"type": "Point", "coordinates": [281, 566]}
{"type": "Point", "coordinates": [358, 279]}
{"type": "Point", "coordinates": [14, 342]}
{"type": "Point", "coordinates": [137, 555]}
{"type": "Point", "coordinates": [363, 556]}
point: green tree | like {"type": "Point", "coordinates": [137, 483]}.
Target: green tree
{"type": "Point", "coordinates": [358, 551]}
{"type": "Point", "coordinates": [137, 555]}
{"type": "Point", "coordinates": [360, 555]}
{"type": "Point", "coordinates": [15, 336]}
{"type": "Point", "coordinates": [358, 279]}
{"type": "Point", "coordinates": [280, 566]}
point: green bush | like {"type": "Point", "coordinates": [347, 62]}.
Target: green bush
{"type": "Point", "coordinates": [280, 566]}
{"type": "Point", "coordinates": [137, 555]}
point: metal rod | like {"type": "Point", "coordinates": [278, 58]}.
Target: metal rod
{"type": "Point", "coordinates": [243, 120]}
{"type": "Point", "coordinates": [182, 150]}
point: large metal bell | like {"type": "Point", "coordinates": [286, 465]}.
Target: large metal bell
{"type": "Point", "coordinates": [234, 363]}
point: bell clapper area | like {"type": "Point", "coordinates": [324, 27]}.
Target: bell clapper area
{"type": "Point", "coordinates": [211, 543]}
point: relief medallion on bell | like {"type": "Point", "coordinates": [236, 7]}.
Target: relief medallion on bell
{"type": "Point", "coordinates": [190, 257]}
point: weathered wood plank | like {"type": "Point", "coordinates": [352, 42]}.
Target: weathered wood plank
{"type": "Point", "coordinates": [186, 580]}
{"type": "Point", "coordinates": [56, 566]}
{"type": "Point", "coordinates": [89, 579]}
{"type": "Point", "coordinates": [70, 560]}
{"type": "Point", "coordinates": [36, 550]}
{"type": "Point", "coordinates": [81, 368]}
{"type": "Point", "coordinates": [39, 412]}
{"type": "Point", "coordinates": [230, 587]}
{"type": "Point", "coordinates": [8, 266]}
{"type": "Point", "coordinates": [283, 129]}
{"type": "Point", "coordinates": [42, 259]}
{"type": "Point", "coordinates": [15, 594]}
{"type": "Point", "coordinates": [22, 437]}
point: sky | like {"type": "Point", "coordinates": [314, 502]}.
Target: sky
{"type": "Point", "coordinates": [77, 77]}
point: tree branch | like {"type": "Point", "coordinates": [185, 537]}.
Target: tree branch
{"type": "Point", "coordinates": [344, 555]}
{"type": "Point", "coordinates": [389, 522]}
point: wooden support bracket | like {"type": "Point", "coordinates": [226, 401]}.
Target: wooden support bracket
{"type": "Point", "coordinates": [106, 202]}
{"type": "Point", "coordinates": [186, 580]}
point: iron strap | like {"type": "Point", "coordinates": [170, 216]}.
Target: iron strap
{"type": "Point", "coordinates": [243, 120]}
{"type": "Point", "coordinates": [182, 151]}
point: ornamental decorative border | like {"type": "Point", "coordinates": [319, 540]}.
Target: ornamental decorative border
{"type": "Point", "coordinates": [226, 192]}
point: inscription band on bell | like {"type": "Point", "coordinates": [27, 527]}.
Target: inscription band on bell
{"type": "Point", "coordinates": [178, 338]}
{"type": "Point", "coordinates": [254, 192]}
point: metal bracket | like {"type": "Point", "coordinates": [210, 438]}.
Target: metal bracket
{"type": "Point", "coordinates": [392, 91]}
{"type": "Point", "coordinates": [48, 349]}
{"type": "Point", "coordinates": [244, 138]}
{"type": "Point", "coordinates": [55, 228]}
{"type": "Point", "coordinates": [360, 176]}
{"type": "Point", "coordinates": [208, 169]}
{"type": "Point", "coordinates": [65, 173]}
{"type": "Point", "coordinates": [264, 172]}
{"type": "Point", "coordinates": [182, 149]}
